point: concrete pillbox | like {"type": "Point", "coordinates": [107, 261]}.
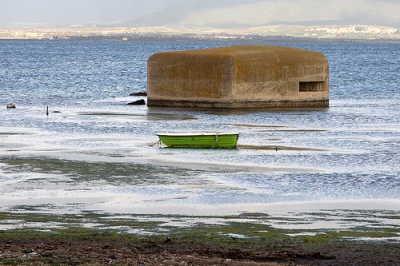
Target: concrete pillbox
{"type": "Point", "coordinates": [239, 77]}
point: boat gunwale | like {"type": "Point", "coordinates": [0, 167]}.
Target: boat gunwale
{"type": "Point", "coordinates": [197, 134]}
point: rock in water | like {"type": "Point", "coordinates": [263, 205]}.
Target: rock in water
{"type": "Point", "coordinates": [138, 102]}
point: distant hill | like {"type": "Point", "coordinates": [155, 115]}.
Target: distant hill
{"type": "Point", "coordinates": [253, 13]}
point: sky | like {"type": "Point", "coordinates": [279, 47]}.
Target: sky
{"type": "Point", "coordinates": [15, 13]}
{"type": "Point", "coordinates": [75, 12]}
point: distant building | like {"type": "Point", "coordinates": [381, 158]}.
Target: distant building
{"type": "Point", "coordinates": [239, 77]}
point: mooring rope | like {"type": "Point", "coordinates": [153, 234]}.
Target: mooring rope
{"type": "Point", "coordinates": [158, 142]}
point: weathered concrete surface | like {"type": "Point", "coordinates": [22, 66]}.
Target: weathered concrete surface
{"type": "Point", "coordinates": [239, 77]}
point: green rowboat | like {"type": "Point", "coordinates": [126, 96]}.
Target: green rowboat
{"type": "Point", "coordinates": [199, 140]}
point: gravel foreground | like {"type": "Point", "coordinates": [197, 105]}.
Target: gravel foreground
{"type": "Point", "coordinates": [48, 251]}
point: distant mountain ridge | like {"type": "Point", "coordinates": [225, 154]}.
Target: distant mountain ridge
{"type": "Point", "coordinates": [253, 13]}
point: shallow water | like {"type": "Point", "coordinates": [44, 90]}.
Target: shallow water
{"type": "Point", "coordinates": [95, 152]}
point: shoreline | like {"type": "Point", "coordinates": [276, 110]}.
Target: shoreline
{"type": "Point", "coordinates": [277, 33]}
{"type": "Point", "coordinates": [233, 240]}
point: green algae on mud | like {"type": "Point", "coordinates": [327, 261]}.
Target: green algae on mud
{"type": "Point", "coordinates": [230, 239]}
{"type": "Point", "coordinates": [245, 229]}
{"type": "Point", "coordinates": [111, 172]}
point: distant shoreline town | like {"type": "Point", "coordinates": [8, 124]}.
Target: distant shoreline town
{"type": "Point", "coordinates": [344, 33]}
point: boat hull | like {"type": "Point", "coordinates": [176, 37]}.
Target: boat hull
{"type": "Point", "coordinates": [202, 140]}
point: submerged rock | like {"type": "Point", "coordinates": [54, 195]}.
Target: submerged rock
{"type": "Point", "coordinates": [138, 102]}
{"type": "Point", "coordinates": [138, 94]}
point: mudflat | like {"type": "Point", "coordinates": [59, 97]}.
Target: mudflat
{"type": "Point", "coordinates": [100, 250]}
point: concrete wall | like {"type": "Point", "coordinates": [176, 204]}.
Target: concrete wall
{"type": "Point", "coordinates": [239, 77]}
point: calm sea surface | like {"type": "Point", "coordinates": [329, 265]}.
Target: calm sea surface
{"type": "Point", "coordinates": [95, 152]}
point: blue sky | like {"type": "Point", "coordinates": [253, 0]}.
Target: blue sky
{"type": "Point", "coordinates": [212, 12]}
{"type": "Point", "coordinates": [69, 12]}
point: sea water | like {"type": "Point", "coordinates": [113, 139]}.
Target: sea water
{"type": "Point", "coordinates": [93, 151]}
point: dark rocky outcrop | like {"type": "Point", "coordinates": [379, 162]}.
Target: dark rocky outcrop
{"type": "Point", "coordinates": [138, 102]}
{"type": "Point", "coordinates": [143, 93]}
